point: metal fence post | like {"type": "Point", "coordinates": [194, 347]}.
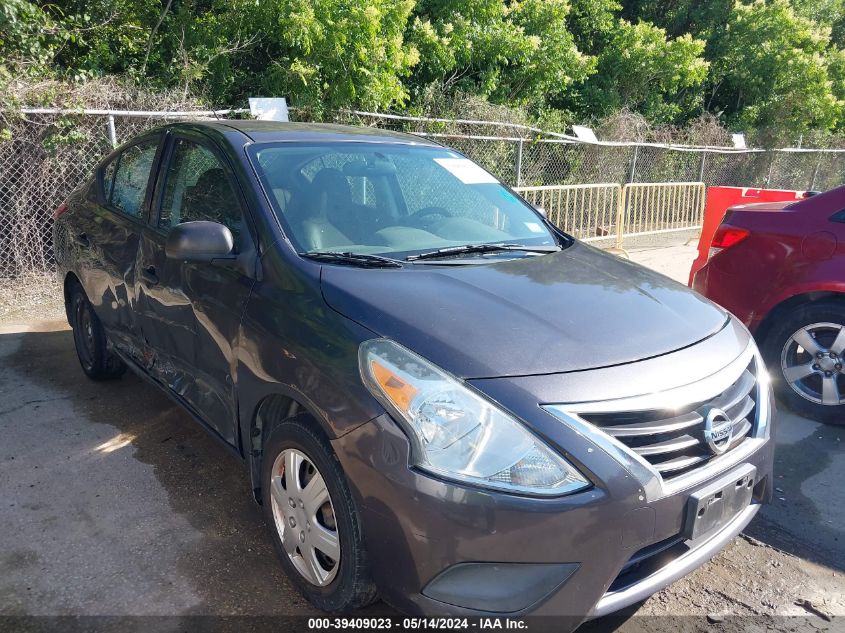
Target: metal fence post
{"type": "Point", "coordinates": [622, 202]}
{"type": "Point", "coordinates": [701, 169]}
{"type": "Point", "coordinates": [633, 164]}
{"type": "Point", "coordinates": [815, 173]}
{"type": "Point", "coordinates": [518, 163]}
{"type": "Point", "coordinates": [771, 167]}
{"type": "Point", "coordinates": [112, 132]}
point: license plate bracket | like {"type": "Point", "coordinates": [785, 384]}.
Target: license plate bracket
{"type": "Point", "coordinates": [711, 507]}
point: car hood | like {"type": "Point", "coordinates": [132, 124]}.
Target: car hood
{"type": "Point", "coordinates": [572, 310]}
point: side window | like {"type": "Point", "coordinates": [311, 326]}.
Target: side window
{"type": "Point", "coordinates": [839, 217]}
{"type": "Point", "coordinates": [108, 178]}
{"type": "Point", "coordinates": [197, 188]}
{"type": "Point", "coordinates": [131, 177]}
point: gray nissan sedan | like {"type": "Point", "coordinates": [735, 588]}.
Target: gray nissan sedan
{"type": "Point", "coordinates": [441, 399]}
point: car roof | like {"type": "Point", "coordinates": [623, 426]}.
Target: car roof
{"type": "Point", "coordinates": [268, 131]}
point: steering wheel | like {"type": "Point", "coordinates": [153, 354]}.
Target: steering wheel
{"type": "Point", "coordinates": [425, 216]}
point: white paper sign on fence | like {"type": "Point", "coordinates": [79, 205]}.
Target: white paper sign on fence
{"type": "Point", "coordinates": [269, 108]}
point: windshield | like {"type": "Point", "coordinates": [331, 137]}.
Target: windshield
{"type": "Point", "coordinates": [390, 199]}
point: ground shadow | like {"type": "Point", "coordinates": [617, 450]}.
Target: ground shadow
{"type": "Point", "coordinates": [233, 566]}
{"type": "Point", "coordinates": [793, 522]}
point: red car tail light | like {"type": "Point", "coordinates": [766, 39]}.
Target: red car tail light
{"type": "Point", "coordinates": [59, 210]}
{"type": "Point", "coordinates": [727, 236]}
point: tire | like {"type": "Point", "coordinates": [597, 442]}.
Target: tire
{"type": "Point", "coordinates": [347, 583]}
{"type": "Point", "coordinates": [822, 326]}
{"type": "Point", "coordinates": [97, 360]}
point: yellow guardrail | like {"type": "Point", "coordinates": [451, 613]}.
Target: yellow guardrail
{"type": "Point", "coordinates": [662, 207]}
{"type": "Point", "coordinates": [608, 211]}
{"type": "Point", "coordinates": [589, 212]}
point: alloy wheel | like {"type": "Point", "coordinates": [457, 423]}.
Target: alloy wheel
{"type": "Point", "coordinates": [304, 517]}
{"type": "Point", "coordinates": [811, 363]}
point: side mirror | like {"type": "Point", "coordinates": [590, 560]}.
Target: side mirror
{"type": "Point", "coordinates": [199, 241]}
{"type": "Point", "coordinates": [540, 210]}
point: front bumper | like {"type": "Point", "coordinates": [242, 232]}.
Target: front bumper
{"type": "Point", "coordinates": [697, 555]}
{"type": "Point", "coordinates": [416, 527]}
{"type": "Point", "coordinates": [573, 557]}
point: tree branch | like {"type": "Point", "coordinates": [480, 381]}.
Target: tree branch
{"type": "Point", "coordinates": [152, 36]}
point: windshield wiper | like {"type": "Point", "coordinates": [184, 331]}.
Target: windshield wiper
{"type": "Point", "coordinates": [355, 259]}
{"type": "Point", "coordinates": [481, 248]}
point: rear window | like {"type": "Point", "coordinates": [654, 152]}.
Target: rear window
{"type": "Point", "coordinates": [131, 177]}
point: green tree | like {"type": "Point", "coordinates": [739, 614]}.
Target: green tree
{"type": "Point", "coordinates": [103, 37]}
{"type": "Point", "coordinates": [27, 38]}
{"type": "Point", "coordinates": [643, 70]}
{"type": "Point", "coordinates": [339, 53]}
{"type": "Point", "coordinates": [516, 52]}
{"type": "Point", "coordinates": [771, 70]}
{"type": "Point", "coordinates": [547, 61]}
{"type": "Point", "coordinates": [700, 19]}
{"type": "Point", "coordinates": [592, 23]}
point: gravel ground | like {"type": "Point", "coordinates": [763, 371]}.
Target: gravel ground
{"type": "Point", "coordinates": [35, 298]}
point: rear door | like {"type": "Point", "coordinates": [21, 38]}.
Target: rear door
{"type": "Point", "coordinates": [190, 313]}
{"type": "Point", "coordinates": [107, 237]}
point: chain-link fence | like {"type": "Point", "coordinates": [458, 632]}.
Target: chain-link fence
{"type": "Point", "coordinates": [45, 154]}
{"type": "Point", "coordinates": [527, 156]}
{"type": "Point", "coordinates": [538, 162]}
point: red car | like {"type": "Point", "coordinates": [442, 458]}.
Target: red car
{"type": "Point", "coordinates": [780, 268]}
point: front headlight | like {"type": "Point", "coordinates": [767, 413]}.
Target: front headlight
{"type": "Point", "coordinates": [457, 433]}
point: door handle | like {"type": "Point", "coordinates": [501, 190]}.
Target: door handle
{"type": "Point", "coordinates": [149, 276]}
{"type": "Point", "coordinates": [82, 238]}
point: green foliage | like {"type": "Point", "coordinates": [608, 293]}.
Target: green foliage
{"type": "Point", "coordinates": [65, 132]}
{"type": "Point", "coordinates": [757, 65]}
{"type": "Point", "coordinates": [25, 38]}
{"type": "Point", "coordinates": [771, 70]}
{"type": "Point", "coordinates": [592, 23]}
{"type": "Point", "coordinates": [516, 52]}
{"type": "Point", "coordinates": [548, 62]}
{"type": "Point", "coordinates": [640, 69]}
{"type": "Point", "coordinates": [704, 20]}
{"type": "Point", "coordinates": [340, 53]}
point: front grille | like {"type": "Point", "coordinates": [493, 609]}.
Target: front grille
{"type": "Point", "coordinates": [673, 441]}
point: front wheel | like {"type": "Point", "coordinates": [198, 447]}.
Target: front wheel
{"type": "Point", "coordinates": [316, 527]}
{"type": "Point", "coordinates": [804, 353]}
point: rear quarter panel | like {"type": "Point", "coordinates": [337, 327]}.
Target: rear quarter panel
{"type": "Point", "coordinates": [790, 252]}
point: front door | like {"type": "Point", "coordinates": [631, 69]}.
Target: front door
{"type": "Point", "coordinates": [190, 313]}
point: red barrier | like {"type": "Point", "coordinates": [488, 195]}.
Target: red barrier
{"type": "Point", "coordinates": [719, 199]}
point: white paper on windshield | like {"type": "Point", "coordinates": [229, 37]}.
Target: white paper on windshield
{"type": "Point", "coordinates": [466, 171]}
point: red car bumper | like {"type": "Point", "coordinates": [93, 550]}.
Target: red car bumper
{"type": "Point", "coordinates": [742, 295]}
